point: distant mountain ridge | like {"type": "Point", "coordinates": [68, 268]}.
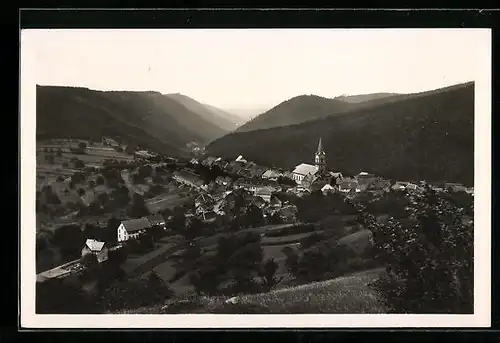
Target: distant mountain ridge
{"type": "Point", "coordinates": [354, 99]}
{"type": "Point", "coordinates": [147, 118]}
{"type": "Point", "coordinates": [303, 108]}
{"type": "Point", "coordinates": [423, 136]}
{"type": "Point", "coordinates": [223, 119]}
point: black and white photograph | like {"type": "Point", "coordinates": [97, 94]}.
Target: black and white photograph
{"type": "Point", "coordinates": [343, 173]}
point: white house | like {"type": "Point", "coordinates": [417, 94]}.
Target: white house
{"type": "Point", "coordinates": [133, 228]}
{"type": "Point", "coordinates": [300, 172]}
{"type": "Point", "coordinates": [327, 188]}
{"type": "Point", "coordinates": [96, 248]}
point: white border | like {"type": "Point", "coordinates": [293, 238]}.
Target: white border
{"type": "Point", "coordinates": [482, 236]}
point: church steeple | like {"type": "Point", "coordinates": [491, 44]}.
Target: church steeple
{"type": "Point", "coordinates": [320, 146]}
{"type": "Point", "coordinates": [320, 157]}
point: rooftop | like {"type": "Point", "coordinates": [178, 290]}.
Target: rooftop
{"type": "Point", "coordinates": [136, 224]}
{"type": "Point", "coordinates": [304, 169]}
{"type": "Point", "coordinates": [94, 245]}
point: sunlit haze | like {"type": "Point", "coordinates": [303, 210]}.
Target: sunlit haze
{"type": "Point", "coordinates": [255, 68]}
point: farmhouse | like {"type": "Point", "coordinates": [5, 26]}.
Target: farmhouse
{"type": "Point", "coordinates": [303, 170]}
{"type": "Point", "coordinates": [157, 220]}
{"type": "Point", "coordinates": [96, 248]}
{"type": "Point", "coordinates": [133, 228]}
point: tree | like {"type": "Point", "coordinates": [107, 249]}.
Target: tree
{"type": "Point", "coordinates": [99, 180]}
{"type": "Point", "coordinates": [311, 239]}
{"type": "Point", "coordinates": [81, 192]}
{"type": "Point", "coordinates": [110, 232]}
{"type": "Point", "coordinates": [194, 229]}
{"type": "Point", "coordinates": [429, 265]}
{"type": "Point", "coordinates": [138, 208]}
{"type": "Point", "coordinates": [254, 216]}
{"type": "Point", "coordinates": [59, 179]}
{"type": "Point", "coordinates": [69, 239]}
{"type": "Point", "coordinates": [268, 272]}
{"type": "Point", "coordinates": [312, 265]}
{"type": "Point", "coordinates": [59, 152]}
{"type": "Point", "coordinates": [82, 145]}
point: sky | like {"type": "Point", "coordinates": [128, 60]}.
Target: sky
{"type": "Point", "coordinates": [255, 68]}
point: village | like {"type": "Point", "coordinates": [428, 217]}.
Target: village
{"type": "Point", "coordinates": [119, 197]}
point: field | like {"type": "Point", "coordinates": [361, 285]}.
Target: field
{"type": "Point", "coordinates": [347, 294]}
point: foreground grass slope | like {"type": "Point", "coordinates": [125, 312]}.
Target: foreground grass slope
{"type": "Point", "coordinates": [428, 136]}
{"type": "Point", "coordinates": [147, 118]}
{"type": "Point", "coordinates": [347, 294]}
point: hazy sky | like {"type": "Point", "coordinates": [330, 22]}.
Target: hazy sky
{"type": "Point", "coordinates": [255, 68]}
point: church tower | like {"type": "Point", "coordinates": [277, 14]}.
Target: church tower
{"type": "Point", "coordinates": [320, 158]}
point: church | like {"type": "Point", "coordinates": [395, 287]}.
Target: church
{"type": "Point", "coordinates": [308, 173]}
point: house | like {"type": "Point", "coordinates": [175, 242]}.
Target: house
{"type": "Point", "coordinates": [365, 178]}
{"type": "Point", "coordinates": [209, 161]}
{"type": "Point", "coordinates": [299, 191]}
{"type": "Point", "coordinates": [258, 201]}
{"type": "Point", "coordinates": [133, 228]}
{"type": "Point", "coordinates": [194, 161]}
{"type": "Point", "coordinates": [455, 187]}
{"type": "Point", "coordinates": [223, 180]}
{"type": "Point", "coordinates": [327, 189]}
{"type": "Point", "coordinates": [264, 193]}
{"type": "Point", "coordinates": [275, 201]}
{"type": "Point", "coordinates": [271, 174]}
{"type": "Point", "coordinates": [241, 159]}
{"type": "Point", "coordinates": [414, 187]}
{"type": "Point", "coordinates": [96, 248]}
{"type": "Point", "coordinates": [222, 164]}
{"type": "Point", "coordinates": [347, 186]}
{"type": "Point", "coordinates": [187, 178]}
{"type": "Point", "coordinates": [399, 186]}
{"type": "Point", "coordinates": [157, 220]}
{"type": "Point", "coordinates": [302, 170]}
{"type": "Point", "coordinates": [203, 202]}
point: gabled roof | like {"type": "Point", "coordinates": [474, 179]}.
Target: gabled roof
{"type": "Point", "coordinates": [136, 224]}
{"type": "Point", "coordinates": [156, 219]}
{"type": "Point", "coordinates": [263, 191]}
{"type": "Point", "coordinates": [304, 169]}
{"type": "Point", "coordinates": [327, 187]}
{"type": "Point", "coordinates": [94, 245]}
{"type": "Point", "coordinates": [241, 159]}
{"type": "Point", "coordinates": [270, 173]}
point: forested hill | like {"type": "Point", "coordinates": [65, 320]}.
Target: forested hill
{"type": "Point", "coordinates": [427, 136]}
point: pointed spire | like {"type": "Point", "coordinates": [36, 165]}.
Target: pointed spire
{"type": "Point", "coordinates": [320, 145]}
